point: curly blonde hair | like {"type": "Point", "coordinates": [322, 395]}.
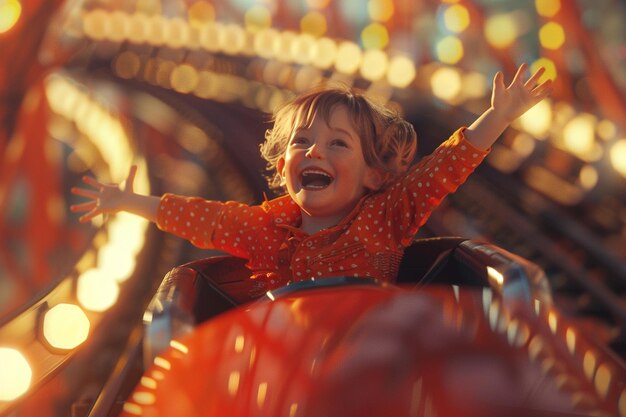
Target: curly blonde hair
{"type": "Point", "coordinates": [388, 141]}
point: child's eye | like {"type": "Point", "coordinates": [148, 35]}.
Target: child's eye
{"type": "Point", "coordinates": [339, 142]}
{"type": "Point", "coordinates": [299, 140]}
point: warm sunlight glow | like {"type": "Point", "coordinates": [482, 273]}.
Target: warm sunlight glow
{"type": "Point", "coordinates": [16, 374]}
{"type": "Point", "coordinates": [10, 12]}
{"type": "Point", "coordinates": [65, 326]}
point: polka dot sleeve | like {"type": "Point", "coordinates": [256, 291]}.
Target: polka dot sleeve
{"type": "Point", "coordinates": [210, 224]}
{"type": "Point", "coordinates": [421, 190]}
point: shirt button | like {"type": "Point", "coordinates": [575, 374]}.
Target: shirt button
{"type": "Point", "coordinates": [309, 243]}
{"type": "Point", "coordinates": [278, 220]}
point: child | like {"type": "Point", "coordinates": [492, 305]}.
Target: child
{"type": "Point", "coordinates": [353, 201]}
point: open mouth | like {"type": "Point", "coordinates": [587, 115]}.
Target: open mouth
{"type": "Point", "coordinates": [315, 179]}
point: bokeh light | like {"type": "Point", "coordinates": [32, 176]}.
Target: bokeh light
{"type": "Point", "coordinates": [95, 291]}
{"type": "Point", "coordinates": [184, 78]}
{"type": "Point", "coordinates": [456, 18]}
{"type": "Point", "coordinates": [16, 375]}
{"type": "Point", "coordinates": [401, 71]}
{"type": "Point", "coordinates": [65, 326]}
{"type": "Point", "coordinates": [588, 177]}
{"type": "Point", "coordinates": [618, 156]}
{"type": "Point", "coordinates": [10, 12]}
{"type": "Point", "coordinates": [303, 49]}
{"type": "Point", "coordinates": [501, 30]}
{"type": "Point", "coordinates": [552, 35]}
{"type": "Point", "coordinates": [257, 18]}
{"type": "Point", "coordinates": [537, 120]}
{"type": "Point", "coordinates": [200, 13]}
{"type": "Point", "coordinates": [375, 36]}
{"type": "Point", "coordinates": [325, 53]}
{"type": "Point", "coordinates": [579, 134]}
{"type": "Point", "coordinates": [547, 8]}
{"type": "Point", "coordinates": [374, 65]}
{"type": "Point", "coordinates": [313, 23]}
{"type": "Point", "coordinates": [446, 83]}
{"type": "Point", "coordinates": [550, 69]}
{"type": "Point", "coordinates": [449, 50]}
{"type": "Point", "coordinates": [348, 59]}
{"type": "Point", "coordinates": [380, 10]}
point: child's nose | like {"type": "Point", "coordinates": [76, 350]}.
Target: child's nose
{"type": "Point", "coordinates": [314, 152]}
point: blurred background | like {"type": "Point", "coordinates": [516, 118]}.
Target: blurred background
{"type": "Point", "coordinates": [185, 89]}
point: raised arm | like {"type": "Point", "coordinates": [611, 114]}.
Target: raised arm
{"type": "Point", "coordinates": [507, 104]}
{"type": "Point", "coordinates": [112, 198]}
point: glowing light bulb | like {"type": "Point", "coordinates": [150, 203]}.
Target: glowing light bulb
{"type": "Point", "coordinates": [16, 374]}
{"type": "Point", "coordinates": [65, 326]}
{"type": "Point", "coordinates": [95, 291]}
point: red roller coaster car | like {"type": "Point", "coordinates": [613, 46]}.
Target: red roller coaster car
{"type": "Point", "coordinates": [472, 333]}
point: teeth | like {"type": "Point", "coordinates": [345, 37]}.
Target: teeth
{"type": "Point", "coordinates": [315, 171]}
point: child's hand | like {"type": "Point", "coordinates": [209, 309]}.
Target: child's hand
{"type": "Point", "coordinates": [513, 101]}
{"type": "Point", "coordinates": [105, 198]}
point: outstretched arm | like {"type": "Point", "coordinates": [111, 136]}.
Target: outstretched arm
{"type": "Point", "coordinates": [112, 198]}
{"type": "Point", "coordinates": [507, 104]}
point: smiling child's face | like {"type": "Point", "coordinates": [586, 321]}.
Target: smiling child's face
{"type": "Point", "coordinates": [324, 169]}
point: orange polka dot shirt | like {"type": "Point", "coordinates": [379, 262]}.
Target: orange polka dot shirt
{"type": "Point", "coordinates": [369, 242]}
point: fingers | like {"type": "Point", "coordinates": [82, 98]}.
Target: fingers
{"type": "Point", "coordinates": [519, 75]}
{"type": "Point", "coordinates": [93, 182]}
{"type": "Point", "coordinates": [88, 217]}
{"type": "Point", "coordinates": [532, 81]}
{"type": "Point", "coordinates": [543, 89]}
{"type": "Point", "coordinates": [83, 207]}
{"type": "Point", "coordinates": [498, 81]}
{"type": "Point", "coordinates": [85, 193]}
